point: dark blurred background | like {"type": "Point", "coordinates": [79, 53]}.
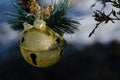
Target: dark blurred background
{"type": "Point", "coordinates": [95, 58]}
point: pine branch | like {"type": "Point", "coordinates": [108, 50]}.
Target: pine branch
{"type": "Point", "coordinates": [59, 21]}
{"type": "Point", "coordinates": [19, 15]}
{"type": "Point", "coordinates": [55, 16]}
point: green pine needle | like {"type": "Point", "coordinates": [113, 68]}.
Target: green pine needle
{"type": "Point", "coordinates": [58, 21]}
{"type": "Point", "coordinates": [19, 15]}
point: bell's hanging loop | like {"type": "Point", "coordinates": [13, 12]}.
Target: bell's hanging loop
{"type": "Point", "coordinates": [38, 23]}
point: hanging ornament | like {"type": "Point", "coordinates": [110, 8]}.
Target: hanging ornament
{"type": "Point", "coordinates": [42, 43]}
{"type": "Point", "coordinates": [40, 46]}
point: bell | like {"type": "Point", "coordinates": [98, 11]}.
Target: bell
{"type": "Point", "coordinates": [40, 46]}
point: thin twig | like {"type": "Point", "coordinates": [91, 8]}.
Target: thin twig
{"type": "Point", "coordinates": [93, 31]}
{"type": "Point", "coordinates": [102, 17]}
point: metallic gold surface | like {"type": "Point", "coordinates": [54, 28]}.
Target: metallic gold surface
{"type": "Point", "coordinates": [40, 46]}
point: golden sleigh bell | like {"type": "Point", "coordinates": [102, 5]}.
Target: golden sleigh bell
{"type": "Point", "coordinates": [40, 46]}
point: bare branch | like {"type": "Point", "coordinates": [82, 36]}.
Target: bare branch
{"type": "Point", "coordinates": [93, 31]}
